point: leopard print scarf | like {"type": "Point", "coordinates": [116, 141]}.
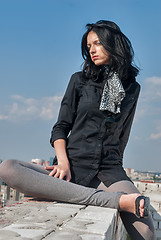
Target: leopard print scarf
{"type": "Point", "coordinates": [113, 93]}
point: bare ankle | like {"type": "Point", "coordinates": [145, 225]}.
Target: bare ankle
{"type": "Point", "coordinates": [127, 202]}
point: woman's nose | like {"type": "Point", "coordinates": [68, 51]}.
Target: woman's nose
{"type": "Point", "coordinates": [92, 49]}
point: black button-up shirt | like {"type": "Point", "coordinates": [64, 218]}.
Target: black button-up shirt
{"type": "Point", "coordinates": [93, 138]}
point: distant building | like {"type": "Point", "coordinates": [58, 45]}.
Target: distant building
{"type": "Point", "coordinates": [9, 195]}
{"type": "Point", "coordinates": [143, 176]}
{"type": "Point", "coordinates": [37, 161]}
{"type": "Point", "coordinates": [40, 162]}
{"type": "Point", "coordinates": [51, 161]}
{"type": "Point", "coordinates": [46, 163]}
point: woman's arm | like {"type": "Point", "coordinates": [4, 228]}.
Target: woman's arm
{"type": "Point", "coordinates": [67, 111]}
{"type": "Point", "coordinates": [62, 128]}
{"type": "Point", "coordinates": [62, 169]}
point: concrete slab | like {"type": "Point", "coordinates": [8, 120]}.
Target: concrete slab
{"type": "Point", "coordinates": [97, 213]}
{"type": "Point", "coordinates": [28, 231]}
{"type": "Point", "coordinates": [9, 235]}
{"type": "Point", "coordinates": [48, 220]}
{"type": "Point", "coordinates": [90, 225]}
{"type": "Point", "coordinates": [75, 236]}
{"type": "Point", "coordinates": [65, 235]}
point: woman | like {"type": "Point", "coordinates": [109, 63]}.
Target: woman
{"type": "Point", "coordinates": [95, 118]}
{"type": "Point", "coordinates": [97, 110]}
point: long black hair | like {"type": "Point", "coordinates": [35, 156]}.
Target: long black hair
{"type": "Point", "coordinates": [116, 44]}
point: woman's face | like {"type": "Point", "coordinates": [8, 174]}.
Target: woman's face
{"type": "Point", "coordinates": [97, 52]}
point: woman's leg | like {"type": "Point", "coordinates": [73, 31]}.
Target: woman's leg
{"type": "Point", "coordinates": [138, 228]}
{"type": "Point", "coordinates": [34, 180]}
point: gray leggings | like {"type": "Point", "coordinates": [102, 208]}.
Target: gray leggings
{"type": "Point", "coordinates": [34, 180]}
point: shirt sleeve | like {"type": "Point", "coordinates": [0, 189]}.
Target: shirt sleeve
{"type": "Point", "coordinates": [67, 111]}
{"type": "Point", "coordinates": [124, 136]}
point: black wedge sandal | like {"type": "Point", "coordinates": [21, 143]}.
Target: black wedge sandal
{"type": "Point", "coordinates": [146, 206]}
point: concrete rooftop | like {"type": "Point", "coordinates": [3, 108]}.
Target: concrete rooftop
{"type": "Point", "coordinates": [35, 220]}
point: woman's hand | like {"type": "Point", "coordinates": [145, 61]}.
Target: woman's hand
{"type": "Point", "coordinates": [60, 171]}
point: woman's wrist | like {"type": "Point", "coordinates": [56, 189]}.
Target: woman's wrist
{"type": "Point", "coordinates": [60, 149]}
{"type": "Point", "coordinates": [64, 162]}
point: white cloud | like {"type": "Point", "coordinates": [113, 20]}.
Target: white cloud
{"type": "Point", "coordinates": [154, 80]}
{"type": "Point", "coordinates": [148, 111]}
{"type": "Point", "coordinates": [152, 90]}
{"type": "Point", "coordinates": [3, 117]}
{"type": "Point", "coordinates": [155, 136]}
{"type": "Point", "coordinates": [137, 138]}
{"type": "Point", "coordinates": [31, 108]}
{"type": "Point", "coordinates": [150, 98]}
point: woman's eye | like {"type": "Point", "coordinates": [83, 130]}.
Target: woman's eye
{"type": "Point", "coordinates": [95, 44]}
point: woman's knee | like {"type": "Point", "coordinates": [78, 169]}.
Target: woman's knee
{"type": "Point", "coordinates": [6, 168]}
{"type": "Point", "coordinates": [123, 186]}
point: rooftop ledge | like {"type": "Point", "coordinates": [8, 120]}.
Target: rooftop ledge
{"type": "Point", "coordinates": [38, 219]}
{"type": "Point", "coordinates": [35, 219]}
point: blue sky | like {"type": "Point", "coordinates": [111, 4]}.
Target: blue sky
{"type": "Point", "coordinates": [40, 49]}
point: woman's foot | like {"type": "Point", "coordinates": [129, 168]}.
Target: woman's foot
{"type": "Point", "coordinates": [128, 203]}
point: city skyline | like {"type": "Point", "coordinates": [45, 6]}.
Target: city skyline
{"type": "Point", "coordinates": [40, 49]}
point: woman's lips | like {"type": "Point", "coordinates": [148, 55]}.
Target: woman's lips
{"type": "Point", "coordinates": [94, 57]}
